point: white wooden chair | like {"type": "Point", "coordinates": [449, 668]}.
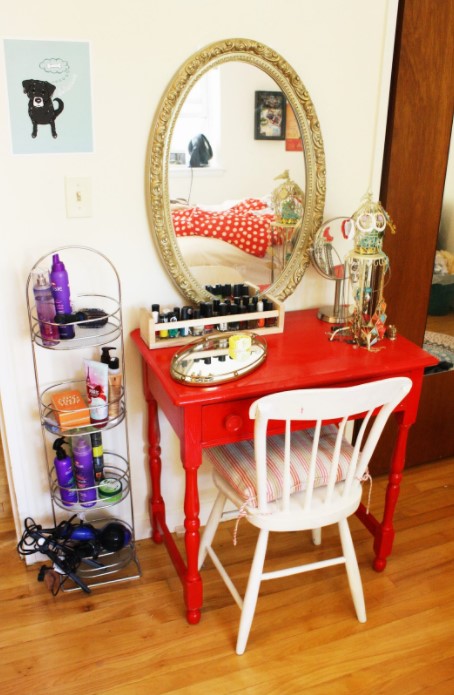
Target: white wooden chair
{"type": "Point", "coordinates": [301, 480]}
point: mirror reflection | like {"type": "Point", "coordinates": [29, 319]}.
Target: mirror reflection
{"type": "Point", "coordinates": [235, 123]}
{"type": "Point", "coordinates": [222, 210]}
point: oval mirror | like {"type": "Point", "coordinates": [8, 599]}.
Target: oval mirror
{"type": "Point", "coordinates": [232, 189]}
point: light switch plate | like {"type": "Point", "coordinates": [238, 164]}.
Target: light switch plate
{"type": "Point", "coordinates": [78, 197]}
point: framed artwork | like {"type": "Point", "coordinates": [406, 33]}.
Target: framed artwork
{"type": "Point", "coordinates": [49, 94]}
{"type": "Point", "coordinates": [293, 141]}
{"type": "Point", "coordinates": [269, 116]}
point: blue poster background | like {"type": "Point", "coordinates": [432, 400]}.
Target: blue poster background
{"type": "Point", "coordinates": [64, 64]}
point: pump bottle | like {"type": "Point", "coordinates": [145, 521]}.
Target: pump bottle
{"type": "Point", "coordinates": [65, 476]}
{"type": "Point", "coordinates": [61, 294]}
{"type": "Point", "coordinates": [115, 381]}
{"type": "Point", "coordinates": [85, 476]}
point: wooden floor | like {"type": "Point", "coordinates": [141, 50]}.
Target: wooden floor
{"type": "Point", "coordinates": [441, 324]}
{"type": "Point", "coordinates": [132, 638]}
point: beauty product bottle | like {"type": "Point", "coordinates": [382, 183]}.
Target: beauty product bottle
{"type": "Point", "coordinates": [115, 380]}
{"type": "Point", "coordinates": [97, 383]}
{"type": "Point", "coordinates": [209, 312]}
{"type": "Point", "coordinates": [173, 332]}
{"type": "Point", "coordinates": [243, 324]}
{"type": "Point", "coordinates": [45, 309]}
{"type": "Point", "coordinates": [252, 323]}
{"type": "Point", "coordinates": [65, 475]}
{"type": "Point", "coordinates": [234, 325]}
{"type": "Point", "coordinates": [260, 321]}
{"type": "Point", "coordinates": [223, 310]}
{"type": "Point", "coordinates": [269, 306]}
{"type": "Point", "coordinates": [186, 314]}
{"type": "Point", "coordinates": [164, 332]}
{"type": "Point", "coordinates": [110, 489]}
{"type": "Point", "coordinates": [197, 330]}
{"type": "Point", "coordinates": [155, 312]}
{"type": "Point", "coordinates": [98, 456]}
{"type": "Point", "coordinates": [83, 466]}
{"type": "Point", "coordinates": [61, 294]}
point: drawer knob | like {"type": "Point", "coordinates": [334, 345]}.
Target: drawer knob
{"type": "Point", "coordinates": [233, 423]}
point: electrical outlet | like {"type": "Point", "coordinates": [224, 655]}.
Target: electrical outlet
{"type": "Point", "coordinates": [78, 197]}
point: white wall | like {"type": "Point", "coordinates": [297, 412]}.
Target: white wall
{"type": "Point", "coordinates": [136, 47]}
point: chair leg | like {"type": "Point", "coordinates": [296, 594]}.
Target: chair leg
{"type": "Point", "coordinates": [252, 591]}
{"type": "Point", "coordinates": [211, 526]}
{"type": "Point", "coordinates": [317, 536]}
{"type": "Point", "coordinates": [354, 577]}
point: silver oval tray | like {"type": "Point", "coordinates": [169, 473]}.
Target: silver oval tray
{"type": "Point", "coordinates": [214, 360]}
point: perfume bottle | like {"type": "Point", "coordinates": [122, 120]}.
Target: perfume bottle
{"type": "Point", "coordinates": [45, 309]}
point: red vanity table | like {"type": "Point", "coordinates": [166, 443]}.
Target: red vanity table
{"type": "Point", "coordinates": [300, 357]}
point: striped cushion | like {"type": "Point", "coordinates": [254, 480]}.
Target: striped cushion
{"type": "Point", "coordinates": [236, 463]}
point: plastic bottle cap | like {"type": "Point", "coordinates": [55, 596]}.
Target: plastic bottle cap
{"type": "Point", "coordinates": [41, 280]}
{"type": "Point", "coordinates": [57, 264]}
{"type": "Point", "coordinates": [105, 354]}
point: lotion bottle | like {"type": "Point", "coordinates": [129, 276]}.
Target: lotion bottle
{"type": "Point", "coordinates": [65, 475]}
{"type": "Point", "coordinates": [61, 294]}
{"type": "Point", "coordinates": [97, 383]}
{"type": "Point", "coordinates": [85, 476]}
{"type": "Point", "coordinates": [115, 381]}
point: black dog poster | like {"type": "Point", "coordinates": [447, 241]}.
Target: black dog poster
{"type": "Point", "coordinates": [49, 90]}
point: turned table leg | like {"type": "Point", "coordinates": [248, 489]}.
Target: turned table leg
{"type": "Point", "coordinates": [156, 502]}
{"type": "Point", "coordinates": [384, 536]}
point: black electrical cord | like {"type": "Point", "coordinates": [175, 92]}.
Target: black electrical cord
{"type": "Point", "coordinates": [57, 545]}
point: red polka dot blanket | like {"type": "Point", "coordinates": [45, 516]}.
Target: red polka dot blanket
{"type": "Point", "coordinates": [238, 225]}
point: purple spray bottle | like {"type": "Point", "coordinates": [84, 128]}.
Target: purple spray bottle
{"type": "Point", "coordinates": [85, 474]}
{"type": "Point", "coordinates": [61, 294]}
{"type": "Point", "coordinates": [65, 476]}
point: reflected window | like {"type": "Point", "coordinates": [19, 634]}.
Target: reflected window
{"type": "Point", "coordinates": [200, 113]}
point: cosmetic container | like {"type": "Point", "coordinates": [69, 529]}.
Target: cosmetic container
{"type": "Point", "coordinates": [260, 307]}
{"type": "Point", "coordinates": [155, 312]}
{"type": "Point", "coordinates": [65, 474]}
{"type": "Point", "coordinates": [97, 384]}
{"type": "Point", "coordinates": [61, 294]}
{"type": "Point", "coordinates": [197, 330]}
{"type": "Point", "coordinates": [173, 332]}
{"type": "Point", "coordinates": [234, 325]}
{"type": "Point", "coordinates": [98, 456]}
{"type": "Point", "coordinates": [45, 309]}
{"type": "Point", "coordinates": [83, 466]}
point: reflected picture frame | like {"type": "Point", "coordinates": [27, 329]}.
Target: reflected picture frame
{"type": "Point", "coordinates": [269, 115]}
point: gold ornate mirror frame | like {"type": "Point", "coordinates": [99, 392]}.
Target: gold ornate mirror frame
{"type": "Point", "coordinates": [157, 193]}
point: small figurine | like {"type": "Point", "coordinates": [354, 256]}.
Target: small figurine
{"type": "Point", "coordinates": [287, 200]}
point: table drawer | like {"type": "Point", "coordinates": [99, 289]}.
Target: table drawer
{"type": "Point", "coordinates": [225, 422]}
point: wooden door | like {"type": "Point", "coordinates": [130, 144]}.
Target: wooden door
{"type": "Point", "coordinates": [416, 154]}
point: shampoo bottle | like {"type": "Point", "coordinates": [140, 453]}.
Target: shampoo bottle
{"type": "Point", "coordinates": [45, 309]}
{"type": "Point", "coordinates": [115, 381]}
{"type": "Point", "coordinates": [61, 294]}
{"type": "Point", "coordinates": [65, 476]}
{"type": "Point", "coordinates": [85, 476]}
